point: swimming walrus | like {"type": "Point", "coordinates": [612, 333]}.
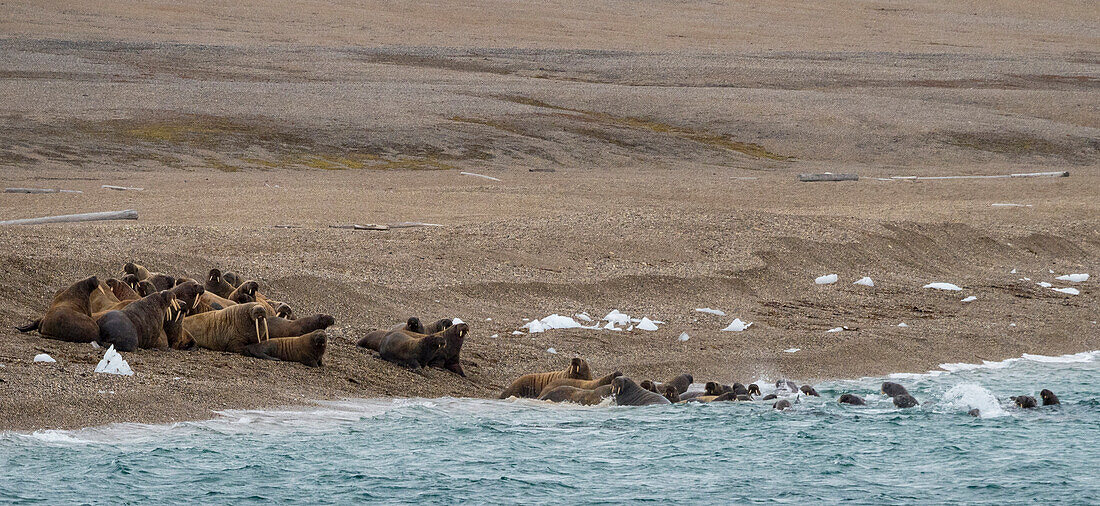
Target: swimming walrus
{"type": "Point", "coordinates": [140, 324]}
{"type": "Point", "coordinates": [625, 392]}
{"type": "Point", "coordinates": [579, 383]}
{"type": "Point", "coordinates": [216, 284]}
{"type": "Point", "coordinates": [671, 393]}
{"type": "Point", "coordinates": [680, 383]}
{"type": "Point", "coordinates": [69, 318]}
{"type": "Point", "coordinates": [786, 385]}
{"type": "Point", "coordinates": [732, 396]}
{"type": "Point", "coordinates": [1025, 401]}
{"type": "Point", "coordinates": [648, 385]}
{"type": "Point", "coordinates": [1049, 399]}
{"type": "Point", "coordinates": [905, 401]}
{"type": "Point", "coordinates": [714, 388]}
{"type": "Point", "coordinates": [237, 326]}
{"type": "Point", "coordinates": [854, 400]}
{"type": "Point", "coordinates": [781, 405]}
{"type": "Point", "coordinates": [893, 389]}
{"type": "Point", "coordinates": [769, 397]}
{"type": "Point", "coordinates": [974, 412]}
{"type": "Point", "coordinates": [582, 396]}
{"type": "Point", "coordinates": [448, 357]}
{"type": "Point", "coordinates": [405, 349]}
{"type": "Point", "coordinates": [531, 385]}
{"type": "Point", "coordinates": [308, 349]}
{"type": "Point", "coordinates": [754, 389]}
{"type": "Point", "coordinates": [809, 390]}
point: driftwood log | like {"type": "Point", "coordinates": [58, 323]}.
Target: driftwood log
{"type": "Point", "coordinates": [128, 214]}
{"type": "Point", "coordinates": [39, 190]}
{"type": "Point", "coordinates": [478, 175]}
{"type": "Point", "coordinates": [113, 187]}
{"type": "Point", "coordinates": [1064, 173]}
{"type": "Point", "coordinates": [372, 226]}
{"type": "Point", "coordinates": [811, 178]}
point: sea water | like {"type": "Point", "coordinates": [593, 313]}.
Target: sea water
{"type": "Point", "coordinates": [521, 451]}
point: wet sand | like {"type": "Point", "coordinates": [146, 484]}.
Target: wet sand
{"type": "Point", "coordinates": [674, 187]}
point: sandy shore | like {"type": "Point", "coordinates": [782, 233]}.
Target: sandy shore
{"type": "Point", "coordinates": [674, 151]}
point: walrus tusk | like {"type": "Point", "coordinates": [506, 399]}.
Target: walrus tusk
{"type": "Point", "coordinates": [267, 336]}
{"type": "Point", "coordinates": [258, 331]}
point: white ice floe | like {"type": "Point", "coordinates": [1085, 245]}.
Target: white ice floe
{"type": "Point", "coordinates": [534, 327]}
{"type": "Point", "coordinates": [970, 299]}
{"type": "Point", "coordinates": [903, 324]}
{"type": "Point", "coordinates": [551, 350]}
{"type": "Point", "coordinates": [617, 318]}
{"type": "Point", "coordinates": [865, 281]}
{"type": "Point", "coordinates": [456, 321]}
{"type": "Point", "coordinates": [827, 279]}
{"type": "Point", "coordinates": [1044, 284]}
{"type": "Point", "coordinates": [517, 333]}
{"type": "Point", "coordinates": [42, 357]}
{"type": "Point", "coordinates": [556, 321]}
{"type": "Point", "coordinates": [584, 317]}
{"type": "Point", "coordinates": [1073, 278]}
{"type": "Point", "coordinates": [737, 326]}
{"type": "Point", "coordinates": [943, 286]}
{"type": "Point", "coordinates": [646, 324]}
{"type": "Point", "coordinates": [494, 336]}
{"type": "Point", "coordinates": [792, 350]}
{"type": "Point", "coordinates": [1025, 279]}
{"type": "Point", "coordinates": [630, 328]}
{"type": "Point", "coordinates": [610, 326]}
{"type": "Point", "coordinates": [113, 363]}
{"type": "Point", "coordinates": [835, 329]}
{"type": "Point", "coordinates": [718, 312]}
{"type": "Point", "coordinates": [684, 336]}
{"type": "Point", "coordinates": [1069, 291]}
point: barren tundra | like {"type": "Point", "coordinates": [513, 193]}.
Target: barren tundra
{"type": "Point", "coordinates": [647, 154]}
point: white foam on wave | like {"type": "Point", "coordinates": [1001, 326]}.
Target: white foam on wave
{"type": "Point", "coordinates": [1086, 356]}
{"type": "Point", "coordinates": [967, 396]}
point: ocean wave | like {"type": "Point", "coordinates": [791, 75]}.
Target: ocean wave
{"type": "Point", "coordinates": [966, 396]}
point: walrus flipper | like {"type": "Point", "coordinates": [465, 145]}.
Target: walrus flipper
{"type": "Point", "coordinates": [255, 351]}
{"type": "Point", "coordinates": [30, 326]}
{"type": "Point", "coordinates": [456, 368]}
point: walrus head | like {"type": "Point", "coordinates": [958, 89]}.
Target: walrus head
{"type": "Point", "coordinates": [434, 342]}
{"type": "Point", "coordinates": [188, 294]}
{"type": "Point", "coordinates": [782, 404]}
{"type": "Point", "coordinates": [754, 389]}
{"type": "Point", "coordinates": [135, 269]}
{"type": "Point", "coordinates": [284, 311]}
{"type": "Point", "coordinates": [214, 276]}
{"type": "Point", "coordinates": [578, 369]}
{"type": "Point", "coordinates": [1025, 401]}
{"type": "Point", "coordinates": [1048, 397]}
{"type": "Point", "coordinates": [259, 315]}
{"type": "Point", "coordinates": [438, 326]}
{"type": "Point", "coordinates": [671, 394]}
{"type": "Point", "coordinates": [413, 325]}
{"type": "Point", "coordinates": [809, 390]}
{"type": "Point", "coordinates": [132, 280]}
{"type": "Point", "coordinates": [145, 288]}
{"type": "Point", "coordinates": [618, 385]}
{"type": "Point", "coordinates": [245, 293]}
{"type": "Point", "coordinates": [317, 341]}
{"type": "Point", "coordinates": [232, 278]}
{"type": "Point", "coordinates": [715, 388]}
{"type": "Point", "coordinates": [649, 385]}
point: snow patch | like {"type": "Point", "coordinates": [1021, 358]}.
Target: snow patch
{"type": "Point", "coordinates": [552, 351]}
{"type": "Point", "coordinates": [969, 299]}
{"type": "Point", "coordinates": [684, 336]}
{"type": "Point", "coordinates": [835, 329]}
{"type": "Point", "coordinates": [792, 350]}
{"type": "Point", "coordinates": [646, 324]}
{"type": "Point", "coordinates": [1044, 284]}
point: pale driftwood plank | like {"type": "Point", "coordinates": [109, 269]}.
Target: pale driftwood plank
{"type": "Point", "coordinates": [128, 214]}
{"type": "Point", "coordinates": [113, 187]}
{"type": "Point", "coordinates": [479, 175]}
{"type": "Point", "coordinates": [1060, 173]}
{"type": "Point", "coordinates": [811, 178]}
{"type": "Point", "coordinates": [39, 190]}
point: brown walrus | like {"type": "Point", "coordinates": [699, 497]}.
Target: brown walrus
{"type": "Point", "coordinates": [233, 279]}
{"type": "Point", "coordinates": [101, 298]}
{"type": "Point", "coordinates": [137, 270]}
{"type": "Point", "coordinates": [579, 383]}
{"type": "Point", "coordinates": [438, 326]}
{"type": "Point", "coordinates": [308, 349]}
{"type": "Point", "coordinates": [132, 281]}
{"type": "Point", "coordinates": [582, 396]}
{"type": "Point", "coordinates": [624, 392]}
{"type": "Point", "coordinates": [161, 281]}
{"type": "Point", "coordinates": [680, 383]}
{"type": "Point", "coordinates": [448, 357]}
{"type": "Point", "coordinates": [244, 293]}
{"type": "Point", "coordinates": [405, 349]}
{"type": "Point", "coordinates": [671, 393]}
{"type": "Point", "coordinates": [209, 301]}
{"type": "Point", "coordinates": [69, 317]}
{"type": "Point", "coordinates": [373, 339]}
{"type": "Point", "coordinates": [121, 290]}
{"type": "Point", "coordinates": [531, 385]}
{"type": "Point", "coordinates": [140, 324]}
{"type": "Point", "coordinates": [233, 328]}
{"type": "Point", "coordinates": [215, 283]}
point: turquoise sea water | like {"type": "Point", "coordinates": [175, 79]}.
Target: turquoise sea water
{"type": "Point", "coordinates": [487, 451]}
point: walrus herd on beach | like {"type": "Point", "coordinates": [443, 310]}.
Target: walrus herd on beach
{"type": "Point", "coordinates": [227, 313]}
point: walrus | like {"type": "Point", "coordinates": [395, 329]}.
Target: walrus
{"type": "Point", "coordinates": [680, 383]}
{"type": "Point", "coordinates": [732, 396]}
{"type": "Point", "coordinates": [308, 349]}
{"type": "Point", "coordinates": [215, 283]}
{"type": "Point", "coordinates": [373, 339]}
{"type": "Point", "coordinates": [905, 401]}
{"type": "Point", "coordinates": [121, 290]}
{"type": "Point", "coordinates": [132, 281]}
{"type": "Point", "coordinates": [161, 281]}
{"type": "Point", "coordinates": [781, 404]}
{"type": "Point", "coordinates": [233, 279]}
{"type": "Point", "coordinates": [102, 297]}
{"type": "Point", "coordinates": [582, 384]}
{"type": "Point", "coordinates": [893, 389]}
{"type": "Point", "coordinates": [140, 324]}
{"type": "Point", "coordinates": [210, 301]}
{"type": "Point", "coordinates": [714, 388]}
{"type": "Point", "coordinates": [974, 412]}
{"type": "Point", "coordinates": [1049, 399]}
{"type": "Point", "coordinates": [786, 385]}
{"type": "Point", "coordinates": [438, 326]}
{"type": "Point", "coordinates": [237, 326]}
{"type": "Point", "coordinates": [1025, 401]}
{"type": "Point", "coordinates": [448, 357]}
{"type": "Point", "coordinates": [648, 385]}
{"type": "Point", "coordinates": [854, 400]}
{"type": "Point", "coordinates": [769, 397]}
{"type": "Point", "coordinates": [754, 389]}
{"type": "Point", "coordinates": [146, 288]}
{"type": "Point", "coordinates": [244, 293]}
{"type": "Point", "coordinates": [404, 349]}
{"type": "Point", "coordinates": [531, 385]}
{"type": "Point", "coordinates": [671, 393]}
{"type": "Point", "coordinates": [188, 296]}
{"type": "Point", "coordinates": [625, 392]}
{"type": "Point", "coordinates": [809, 390]}
{"type": "Point", "coordinates": [137, 270]}
{"type": "Point", "coordinates": [584, 397]}
{"type": "Point", "coordinates": [69, 318]}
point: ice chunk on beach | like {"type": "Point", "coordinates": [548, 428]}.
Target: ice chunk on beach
{"type": "Point", "coordinates": [551, 350]}
{"type": "Point", "coordinates": [42, 357]}
{"type": "Point", "coordinates": [835, 329]}
{"type": "Point", "coordinates": [1070, 291]}
{"type": "Point", "coordinates": [646, 324]}
{"type": "Point", "coordinates": [556, 321]}
{"type": "Point", "coordinates": [718, 312]}
{"type": "Point", "coordinates": [534, 327]}
{"type": "Point", "coordinates": [903, 324]}
{"type": "Point", "coordinates": [113, 363]}
{"type": "Point", "coordinates": [792, 350]}
{"type": "Point", "coordinates": [517, 333]}
{"type": "Point", "coordinates": [456, 321]}
{"type": "Point", "coordinates": [737, 326]}
{"type": "Point", "coordinates": [969, 299]}
{"type": "Point", "coordinates": [827, 279]}
{"type": "Point", "coordinates": [617, 318]}
{"type": "Point", "coordinates": [95, 345]}
{"type": "Point", "coordinates": [494, 336]}
{"type": "Point", "coordinates": [1013, 271]}
{"type": "Point", "coordinates": [1073, 278]}
{"type": "Point", "coordinates": [584, 317]}
{"type": "Point", "coordinates": [944, 286]}
{"type": "Point", "coordinates": [865, 281]}
{"type": "Point", "coordinates": [1044, 284]}
{"type": "Point", "coordinates": [684, 336]}
{"type": "Point", "coordinates": [630, 328]}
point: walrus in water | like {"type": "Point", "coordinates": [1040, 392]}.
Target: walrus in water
{"type": "Point", "coordinates": [216, 284]}
{"type": "Point", "coordinates": [905, 401]}
{"type": "Point", "coordinates": [786, 385]}
{"type": "Point", "coordinates": [732, 396]}
{"type": "Point", "coordinates": [648, 385]}
{"type": "Point", "coordinates": [809, 390]}
{"type": "Point", "coordinates": [854, 400]}
{"type": "Point", "coordinates": [715, 389]}
{"type": "Point", "coordinates": [582, 384]}
{"type": "Point", "coordinates": [781, 405]}
{"type": "Point", "coordinates": [625, 392]}
{"type": "Point", "coordinates": [531, 385]}
{"type": "Point", "coordinates": [974, 412]}
{"type": "Point", "coordinates": [754, 389]}
{"type": "Point", "coordinates": [680, 383]}
{"type": "Point", "coordinates": [671, 393]}
{"type": "Point", "coordinates": [308, 349]}
{"type": "Point", "coordinates": [69, 317]}
{"type": "Point", "coordinates": [1049, 399]}
{"type": "Point", "coordinates": [584, 397]}
{"type": "Point", "coordinates": [893, 389]}
{"type": "Point", "coordinates": [769, 397]}
{"type": "Point", "coordinates": [233, 328]}
{"type": "Point", "coordinates": [1025, 401]}
{"type": "Point", "coordinates": [448, 357]}
{"type": "Point", "coordinates": [405, 349]}
{"type": "Point", "coordinates": [140, 324]}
